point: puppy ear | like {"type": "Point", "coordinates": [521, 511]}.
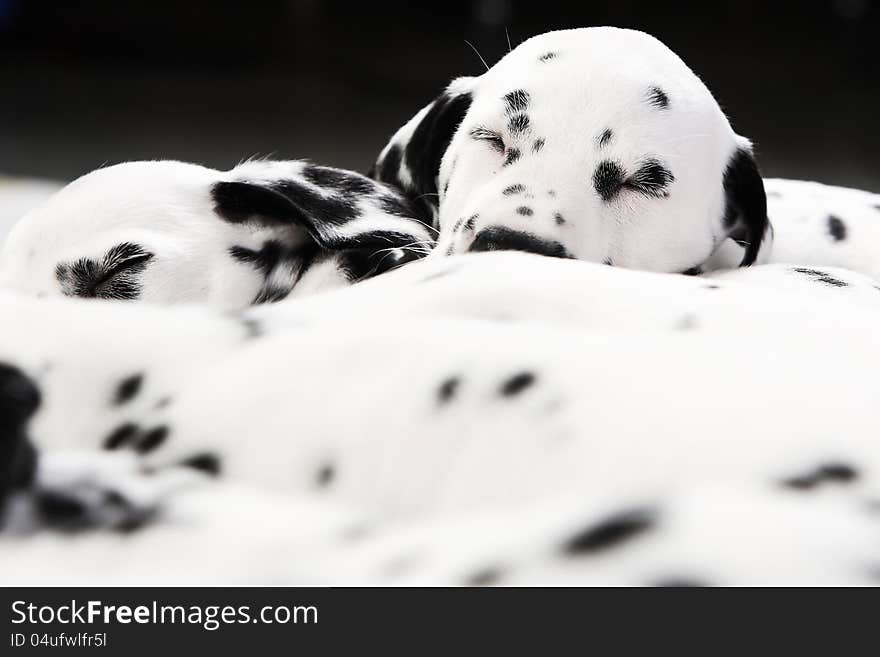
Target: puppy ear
{"type": "Point", "coordinates": [340, 210]}
{"type": "Point", "coordinates": [745, 213]}
{"type": "Point", "coordinates": [411, 159]}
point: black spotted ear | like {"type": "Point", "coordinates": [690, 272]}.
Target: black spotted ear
{"type": "Point", "coordinates": [411, 159]}
{"type": "Point", "coordinates": [265, 203]}
{"type": "Point", "coordinates": [339, 209]}
{"type": "Point", "coordinates": [745, 214]}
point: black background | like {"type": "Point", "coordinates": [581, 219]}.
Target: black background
{"type": "Point", "coordinates": [83, 83]}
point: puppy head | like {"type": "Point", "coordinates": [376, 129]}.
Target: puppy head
{"type": "Point", "coordinates": [170, 232]}
{"type": "Point", "coordinates": [597, 143]}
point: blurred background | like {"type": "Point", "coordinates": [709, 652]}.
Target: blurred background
{"type": "Point", "coordinates": [84, 83]}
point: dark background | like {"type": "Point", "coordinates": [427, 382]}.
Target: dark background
{"type": "Point", "coordinates": [87, 83]}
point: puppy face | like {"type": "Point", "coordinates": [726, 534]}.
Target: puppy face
{"type": "Point", "coordinates": [598, 144]}
{"type": "Point", "coordinates": [170, 232]}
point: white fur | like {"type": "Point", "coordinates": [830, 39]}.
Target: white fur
{"type": "Point", "coordinates": [699, 421]}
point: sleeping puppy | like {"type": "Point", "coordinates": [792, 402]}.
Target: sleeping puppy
{"type": "Point", "coordinates": [170, 232]}
{"type": "Point", "coordinates": [597, 143]}
{"type": "Point", "coordinates": [626, 454]}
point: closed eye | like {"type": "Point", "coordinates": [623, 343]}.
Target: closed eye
{"type": "Point", "coordinates": [121, 258]}
{"type": "Point", "coordinates": [650, 179]}
{"type": "Point", "coordinates": [114, 276]}
{"type": "Point", "coordinates": [493, 138]}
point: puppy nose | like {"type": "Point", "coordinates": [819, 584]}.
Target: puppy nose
{"type": "Point", "coordinates": [499, 238]}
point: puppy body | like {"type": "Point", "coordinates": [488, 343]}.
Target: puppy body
{"type": "Point", "coordinates": [511, 450]}
{"type": "Point", "coordinates": [171, 232]}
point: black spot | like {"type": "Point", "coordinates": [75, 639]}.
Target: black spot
{"type": "Point", "coordinates": [693, 271]}
{"type": "Point", "coordinates": [658, 98]}
{"type": "Point", "coordinates": [115, 276]}
{"type": "Point", "coordinates": [280, 266]}
{"type": "Point", "coordinates": [19, 400]}
{"type": "Point", "coordinates": [470, 223]}
{"type": "Point", "coordinates": [61, 510]}
{"type": "Point", "coordinates": [513, 155]}
{"type": "Point", "coordinates": [836, 228]}
{"type": "Point", "coordinates": [346, 182]}
{"type": "Point", "coordinates": [651, 178]}
{"type": "Point", "coordinates": [711, 287]}
{"type": "Point", "coordinates": [608, 178]}
{"type": "Point", "coordinates": [524, 211]}
{"type": "Point", "coordinates": [518, 124]}
{"type": "Point", "coordinates": [121, 435]}
{"type": "Point", "coordinates": [537, 145]}
{"type": "Point", "coordinates": [263, 260]}
{"type": "Point", "coordinates": [516, 101]}
{"type": "Point", "coordinates": [820, 276]}
{"type": "Point", "coordinates": [447, 389]}
{"type": "Point", "coordinates": [128, 388]}
{"type": "Point", "coordinates": [240, 201]}
{"type": "Point", "coordinates": [514, 189]}
{"type": "Point", "coordinates": [134, 519]}
{"type": "Point", "coordinates": [152, 439]}
{"type": "Point", "coordinates": [314, 210]}
{"type": "Point", "coordinates": [252, 328]}
{"type": "Point", "coordinates": [610, 532]}
{"type": "Point", "coordinates": [65, 512]}
{"type": "Point", "coordinates": [398, 206]}
{"type": "Point", "coordinates": [517, 384]}
{"type": "Point", "coordinates": [486, 577]}
{"type": "Point", "coordinates": [325, 475]}
{"type": "Point", "coordinates": [359, 264]}
{"type": "Point", "coordinates": [605, 138]}
{"type": "Point", "coordinates": [500, 238]}
{"type": "Point", "coordinates": [206, 462]}
{"type": "Point", "coordinates": [827, 473]}
{"type": "Point", "coordinates": [547, 56]}
{"type": "Point", "coordinates": [608, 261]}
{"type": "Point", "coordinates": [559, 219]}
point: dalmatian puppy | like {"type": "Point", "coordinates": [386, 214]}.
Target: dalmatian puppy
{"type": "Point", "coordinates": [598, 144]}
{"type": "Point", "coordinates": [170, 232]}
{"type": "Point", "coordinates": [756, 476]}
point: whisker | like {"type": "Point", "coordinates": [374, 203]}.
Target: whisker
{"type": "Point", "coordinates": [478, 53]}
